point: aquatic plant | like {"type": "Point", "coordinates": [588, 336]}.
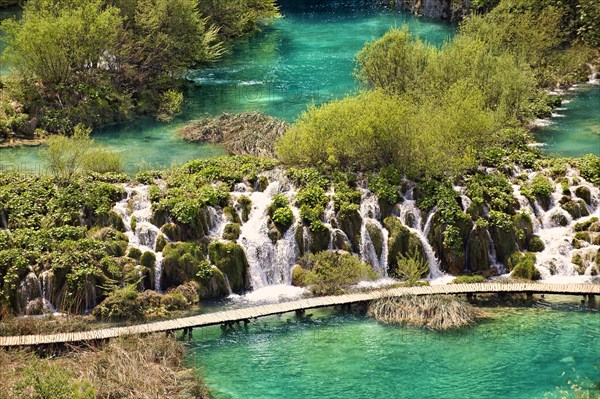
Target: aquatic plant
{"type": "Point", "coordinates": [437, 312]}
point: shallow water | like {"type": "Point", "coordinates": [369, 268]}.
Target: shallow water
{"type": "Point", "coordinates": [520, 353]}
{"type": "Point", "coordinates": [574, 130]}
{"type": "Point", "coordinates": [306, 56]}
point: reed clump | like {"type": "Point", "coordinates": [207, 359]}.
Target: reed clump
{"type": "Point", "coordinates": [439, 312]}
{"type": "Point", "coordinates": [125, 368]}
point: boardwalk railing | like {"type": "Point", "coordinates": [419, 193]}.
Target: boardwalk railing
{"type": "Point", "coordinates": [236, 315]}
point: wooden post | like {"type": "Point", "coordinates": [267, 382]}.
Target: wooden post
{"type": "Point", "coordinates": [591, 300]}
{"type": "Point", "coordinates": [530, 296]}
{"type": "Point", "coordinates": [300, 312]}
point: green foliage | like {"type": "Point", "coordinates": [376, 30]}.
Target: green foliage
{"type": "Point", "coordinates": [238, 17]}
{"type": "Point", "coordinates": [536, 245]}
{"type": "Point", "coordinates": [283, 217]}
{"type": "Point", "coordinates": [590, 168]}
{"type": "Point", "coordinates": [396, 62]}
{"type": "Point", "coordinates": [524, 267]}
{"type": "Point", "coordinates": [539, 187]}
{"type": "Point", "coordinates": [494, 188]}
{"type": "Point", "coordinates": [170, 105]}
{"type": "Point", "coordinates": [97, 62]}
{"type": "Point", "coordinates": [411, 268]}
{"type": "Point", "coordinates": [41, 381]}
{"type": "Point", "coordinates": [386, 184]}
{"type": "Point", "coordinates": [474, 279]}
{"type": "Point", "coordinates": [330, 273]}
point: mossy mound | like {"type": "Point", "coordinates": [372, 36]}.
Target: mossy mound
{"type": "Point", "coordinates": [231, 231]}
{"type": "Point", "coordinates": [298, 276]}
{"type": "Point", "coordinates": [401, 241]}
{"type": "Point", "coordinates": [524, 229]}
{"type": "Point", "coordinates": [584, 193]}
{"type": "Point", "coordinates": [215, 287]}
{"type": "Point", "coordinates": [478, 244]}
{"type": "Point", "coordinates": [536, 245]}
{"type": "Point", "coordinates": [376, 237]}
{"type": "Point", "coordinates": [231, 260]}
{"type": "Point", "coordinates": [350, 223]}
{"type": "Point", "coordinates": [181, 263]}
{"type": "Point", "coordinates": [576, 209]}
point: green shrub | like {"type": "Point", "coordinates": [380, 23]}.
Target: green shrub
{"type": "Point", "coordinates": [148, 260]}
{"type": "Point", "coordinates": [283, 217]}
{"type": "Point", "coordinates": [474, 279]}
{"type": "Point", "coordinates": [525, 267]}
{"type": "Point", "coordinates": [330, 273]}
{"type": "Point", "coordinates": [411, 268]}
{"type": "Point", "coordinates": [121, 304]}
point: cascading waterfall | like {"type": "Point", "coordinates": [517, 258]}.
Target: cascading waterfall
{"type": "Point", "coordinates": [270, 263]}
{"type": "Point", "coordinates": [137, 205]}
{"type": "Point", "coordinates": [410, 216]}
{"type": "Point", "coordinates": [370, 214]}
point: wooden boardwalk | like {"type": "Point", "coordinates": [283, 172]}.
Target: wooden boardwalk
{"type": "Point", "coordinates": [237, 315]}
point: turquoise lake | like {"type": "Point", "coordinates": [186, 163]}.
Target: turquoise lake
{"type": "Point", "coordinates": [306, 56]}
{"type": "Point", "coordinates": [522, 353]}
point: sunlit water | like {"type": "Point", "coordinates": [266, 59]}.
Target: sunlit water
{"type": "Point", "coordinates": [520, 353]}
{"type": "Point", "coordinates": [306, 56]}
{"type": "Point", "coordinates": [574, 130]}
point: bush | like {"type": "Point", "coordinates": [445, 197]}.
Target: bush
{"type": "Point", "coordinates": [411, 268]}
{"type": "Point", "coordinates": [283, 217]}
{"type": "Point", "coordinates": [100, 160]}
{"type": "Point", "coordinates": [474, 279]}
{"type": "Point", "coordinates": [121, 304]}
{"type": "Point", "coordinates": [525, 267]}
{"type": "Point", "coordinates": [330, 273]}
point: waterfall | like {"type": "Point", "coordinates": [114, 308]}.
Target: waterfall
{"type": "Point", "coordinates": [370, 214]}
{"type": "Point", "coordinates": [270, 263]}
{"type": "Point", "coordinates": [410, 216]}
{"type": "Point", "coordinates": [137, 206]}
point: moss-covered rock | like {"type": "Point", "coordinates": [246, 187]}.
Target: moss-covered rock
{"type": "Point", "coordinates": [587, 225]}
{"type": "Point", "coordinates": [232, 215]}
{"type": "Point", "coordinates": [376, 237]}
{"type": "Point", "coordinates": [161, 243]}
{"type": "Point", "coordinates": [171, 230]}
{"type": "Point", "coordinates": [261, 184]}
{"type": "Point", "coordinates": [503, 234]}
{"type": "Point", "coordinates": [350, 223]}
{"type": "Point", "coordinates": [584, 193]}
{"type": "Point", "coordinates": [536, 245]}
{"type": "Point", "coordinates": [134, 253]}
{"type": "Point", "coordinates": [231, 231]}
{"type": "Point", "coordinates": [111, 219]}
{"type": "Point", "coordinates": [181, 263]}
{"type": "Point", "coordinates": [523, 229]}
{"type": "Point", "coordinates": [215, 287]}
{"type": "Point", "coordinates": [385, 208]}
{"type": "Point", "coordinates": [559, 219]}
{"type": "Point", "coordinates": [148, 264]}
{"type": "Point", "coordinates": [319, 239]}
{"type": "Point", "coordinates": [576, 209]}
{"type": "Point", "coordinates": [231, 260]}
{"type": "Point", "coordinates": [478, 244]}
{"type": "Point", "coordinates": [401, 241]}
{"type": "Point", "coordinates": [340, 241]}
{"type": "Point", "coordinates": [246, 207]}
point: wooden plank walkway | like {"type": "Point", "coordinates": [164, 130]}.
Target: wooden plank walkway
{"type": "Point", "coordinates": [235, 315]}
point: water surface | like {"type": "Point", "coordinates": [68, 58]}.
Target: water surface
{"type": "Point", "coordinates": [306, 56]}
{"type": "Point", "coordinates": [521, 353]}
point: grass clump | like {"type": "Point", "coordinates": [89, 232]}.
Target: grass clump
{"type": "Point", "coordinates": [441, 312]}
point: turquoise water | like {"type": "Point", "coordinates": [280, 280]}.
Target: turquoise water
{"type": "Point", "coordinates": [575, 131]}
{"type": "Point", "coordinates": [521, 353]}
{"type": "Point", "coordinates": [306, 56]}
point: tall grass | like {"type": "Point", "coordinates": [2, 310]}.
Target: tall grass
{"type": "Point", "coordinates": [127, 368]}
{"type": "Point", "coordinates": [440, 312]}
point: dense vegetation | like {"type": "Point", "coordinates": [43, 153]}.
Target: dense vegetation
{"type": "Point", "coordinates": [102, 61]}
{"type": "Point", "coordinates": [449, 103]}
